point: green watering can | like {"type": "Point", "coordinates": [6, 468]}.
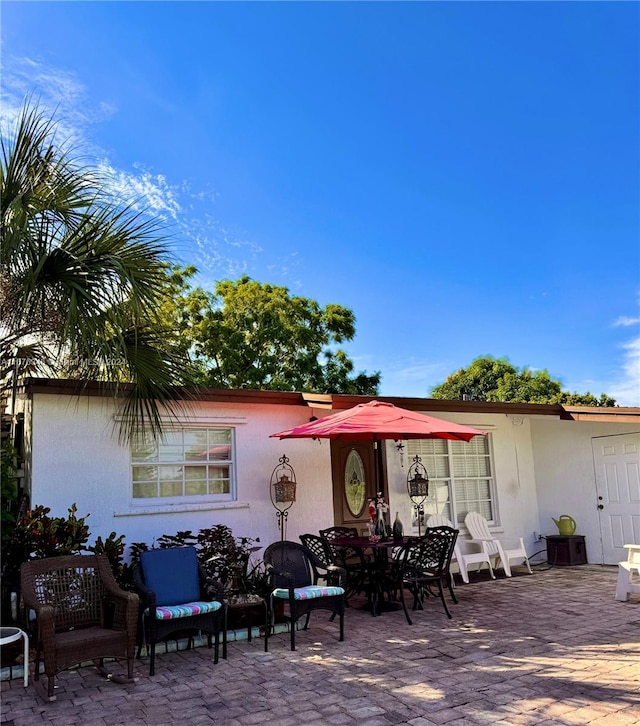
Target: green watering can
{"type": "Point", "coordinates": [566, 525]}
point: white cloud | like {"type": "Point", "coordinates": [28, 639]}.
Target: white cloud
{"type": "Point", "coordinates": [60, 93]}
{"type": "Point", "coordinates": [624, 382]}
{"type": "Point", "coordinates": [55, 90]}
{"type": "Point", "coordinates": [625, 387]}
{"type": "Point", "coordinates": [626, 390]}
{"type": "Point", "coordinates": [409, 378]}
{"type": "Point", "coordinates": [626, 321]}
{"type": "Point", "coordinates": [143, 190]}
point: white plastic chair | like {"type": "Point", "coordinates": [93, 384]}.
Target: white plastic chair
{"type": "Point", "coordinates": [479, 530]}
{"type": "Point", "coordinates": [463, 560]}
{"type": "Point", "coordinates": [629, 573]}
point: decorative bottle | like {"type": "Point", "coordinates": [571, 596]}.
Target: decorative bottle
{"type": "Point", "coordinates": [381, 528]}
{"type": "Point", "coordinates": [398, 529]}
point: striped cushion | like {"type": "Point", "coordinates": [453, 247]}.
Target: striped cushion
{"type": "Point", "coordinates": [169, 612]}
{"type": "Point", "coordinates": [308, 593]}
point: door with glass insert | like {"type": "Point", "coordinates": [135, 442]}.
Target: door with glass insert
{"type": "Point", "coordinates": [353, 473]}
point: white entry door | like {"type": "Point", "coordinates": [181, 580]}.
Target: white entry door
{"type": "Point", "coordinates": [617, 466]}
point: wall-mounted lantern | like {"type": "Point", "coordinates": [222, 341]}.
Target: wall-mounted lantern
{"type": "Point", "coordinates": [282, 489]}
{"type": "Point", "coordinates": [418, 488]}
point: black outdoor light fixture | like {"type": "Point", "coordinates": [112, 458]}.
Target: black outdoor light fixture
{"type": "Point", "coordinates": [418, 487]}
{"type": "Point", "coordinates": [282, 489]}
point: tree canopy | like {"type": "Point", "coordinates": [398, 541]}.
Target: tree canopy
{"type": "Point", "coordinates": [81, 276]}
{"type": "Point", "coordinates": [495, 379]}
{"type": "Point", "coordinates": [248, 334]}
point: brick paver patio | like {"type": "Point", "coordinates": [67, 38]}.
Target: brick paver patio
{"type": "Point", "coordinates": [552, 648]}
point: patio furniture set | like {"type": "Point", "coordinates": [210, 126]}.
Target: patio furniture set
{"type": "Point", "coordinates": [81, 614]}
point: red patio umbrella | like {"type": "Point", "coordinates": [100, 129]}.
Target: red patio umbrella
{"type": "Point", "coordinates": [376, 421]}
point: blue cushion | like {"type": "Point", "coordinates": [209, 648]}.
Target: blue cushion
{"type": "Point", "coordinates": [172, 574]}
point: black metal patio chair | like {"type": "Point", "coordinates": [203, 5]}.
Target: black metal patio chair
{"type": "Point", "coordinates": [351, 559]}
{"type": "Point", "coordinates": [176, 596]}
{"type": "Point", "coordinates": [294, 579]}
{"type": "Point", "coordinates": [421, 567]}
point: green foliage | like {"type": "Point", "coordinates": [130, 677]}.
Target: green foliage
{"type": "Point", "coordinates": [226, 558]}
{"type": "Point", "coordinates": [491, 379]}
{"type": "Point", "coordinates": [113, 547]}
{"type": "Point", "coordinates": [223, 556]}
{"type": "Point", "coordinates": [8, 488]}
{"type": "Point", "coordinates": [38, 535]}
{"type": "Point", "coordinates": [82, 275]}
{"type": "Point", "coordinates": [256, 335]}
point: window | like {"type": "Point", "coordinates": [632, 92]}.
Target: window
{"type": "Point", "coordinates": [460, 477]}
{"type": "Point", "coordinates": [193, 463]}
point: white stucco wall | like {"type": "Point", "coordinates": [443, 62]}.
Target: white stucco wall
{"type": "Point", "coordinates": [514, 476]}
{"type": "Point", "coordinates": [77, 458]}
{"type": "Point", "coordinates": [543, 468]}
{"type": "Point", "coordinates": [565, 475]}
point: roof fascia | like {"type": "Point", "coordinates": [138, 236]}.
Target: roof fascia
{"type": "Point", "coordinates": [339, 402]}
{"type": "Point", "coordinates": [222, 395]}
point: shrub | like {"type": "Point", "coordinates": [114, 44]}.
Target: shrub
{"type": "Point", "coordinates": [223, 556]}
{"type": "Point", "coordinates": [36, 535]}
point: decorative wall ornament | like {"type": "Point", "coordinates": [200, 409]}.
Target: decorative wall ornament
{"type": "Point", "coordinates": [400, 450]}
{"type": "Point", "coordinates": [282, 489]}
{"type": "Point", "coordinates": [418, 488]}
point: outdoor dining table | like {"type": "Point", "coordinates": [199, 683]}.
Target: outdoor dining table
{"type": "Point", "coordinates": [377, 569]}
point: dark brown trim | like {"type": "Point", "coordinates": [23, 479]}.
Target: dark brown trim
{"type": "Point", "coordinates": [339, 402]}
{"type": "Point", "coordinates": [434, 404]}
{"type": "Point", "coordinates": [98, 388]}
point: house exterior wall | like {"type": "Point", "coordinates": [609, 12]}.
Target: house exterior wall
{"type": "Point", "coordinates": [543, 467]}
{"type": "Point", "coordinates": [77, 458]}
{"type": "Point", "coordinates": [517, 506]}
{"type": "Point", "coordinates": [565, 476]}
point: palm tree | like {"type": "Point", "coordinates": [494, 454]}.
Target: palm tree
{"type": "Point", "coordinates": [81, 277]}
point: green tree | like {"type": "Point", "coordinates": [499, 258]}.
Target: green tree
{"type": "Point", "coordinates": [256, 335]}
{"type": "Point", "coordinates": [495, 379]}
{"type": "Point", "coordinates": [81, 276]}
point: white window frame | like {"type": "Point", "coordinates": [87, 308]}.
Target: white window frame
{"type": "Point", "coordinates": [438, 481]}
{"type": "Point", "coordinates": [190, 500]}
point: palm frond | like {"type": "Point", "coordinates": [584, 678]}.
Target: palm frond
{"type": "Point", "coordinates": [82, 274]}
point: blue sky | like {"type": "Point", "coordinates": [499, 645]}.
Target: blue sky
{"type": "Point", "coordinates": [464, 176]}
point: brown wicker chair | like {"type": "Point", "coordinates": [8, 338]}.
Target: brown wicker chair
{"type": "Point", "coordinates": [81, 615]}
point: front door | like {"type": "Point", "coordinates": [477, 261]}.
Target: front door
{"type": "Point", "coordinates": [353, 470]}
{"type": "Point", "coordinates": [617, 466]}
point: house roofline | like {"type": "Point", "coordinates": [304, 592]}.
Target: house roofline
{"type": "Point", "coordinates": [72, 387]}
{"type": "Point", "coordinates": [339, 401]}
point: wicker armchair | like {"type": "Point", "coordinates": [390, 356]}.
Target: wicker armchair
{"type": "Point", "coordinates": [81, 615]}
{"type": "Point", "coordinates": [176, 596]}
{"type": "Point", "coordinates": [294, 577]}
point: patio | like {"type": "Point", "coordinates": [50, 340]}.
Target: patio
{"type": "Point", "coordinates": [552, 648]}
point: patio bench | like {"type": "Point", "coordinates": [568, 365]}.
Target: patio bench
{"type": "Point", "coordinates": [629, 574]}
